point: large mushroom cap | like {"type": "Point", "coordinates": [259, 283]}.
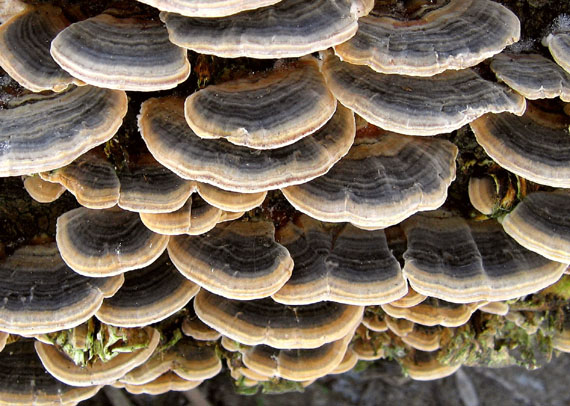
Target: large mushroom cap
{"type": "Point", "coordinates": [532, 75]}
{"type": "Point", "coordinates": [535, 146]}
{"type": "Point", "coordinates": [106, 242]}
{"type": "Point", "coordinates": [148, 295]}
{"type": "Point", "coordinates": [559, 46]}
{"type": "Point", "coordinates": [41, 132]}
{"type": "Point", "coordinates": [41, 294]}
{"type": "Point", "coordinates": [440, 103]}
{"type": "Point", "coordinates": [457, 35]}
{"type": "Point", "coordinates": [458, 261]}
{"type": "Point", "coordinates": [42, 191]}
{"type": "Point", "coordinates": [290, 28]}
{"type": "Point", "coordinates": [24, 49]}
{"type": "Point", "coordinates": [345, 265]}
{"type": "Point", "coordinates": [24, 381]}
{"type": "Point", "coordinates": [238, 260]}
{"type": "Point", "coordinates": [264, 321]}
{"type": "Point", "coordinates": [236, 168]}
{"type": "Point", "coordinates": [121, 53]}
{"type": "Point", "coordinates": [380, 182]}
{"type": "Point", "coordinates": [208, 8]}
{"type": "Point", "coordinates": [266, 110]}
{"type": "Point", "coordinates": [541, 223]}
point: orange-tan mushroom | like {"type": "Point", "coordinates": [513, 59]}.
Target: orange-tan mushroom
{"type": "Point", "coordinates": [193, 327]}
{"type": "Point", "coordinates": [166, 382]}
{"type": "Point", "coordinates": [41, 190]}
{"type": "Point", "coordinates": [230, 201]}
{"type": "Point", "coordinates": [483, 194]}
{"type": "Point", "coordinates": [434, 311]}
{"type": "Point", "coordinates": [424, 366]}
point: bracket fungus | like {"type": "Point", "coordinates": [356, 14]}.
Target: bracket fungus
{"type": "Point", "coordinates": [24, 49]}
{"type": "Point", "coordinates": [483, 194]}
{"type": "Point", "coordinates": [148, 295]}
{"type": "Point", "coordinates": [237, 260]}
{"type": "Point", "coordinates": [193, 327]}
{"type": "Point", "coordinates": [459, 261]}
{"type": "Point", "coordinates": [117, 52]}
{"type": "Point", "coordinates": [230, 201]}
{"type": "Point", "coordinates": [266, 110]}
{"type": "Point", "coordinates": [411, 298]}
{"type": "Point", "coordinates": [425, 366]}
{"type": "Point", "coordinates": [541, 223]}
{"type": "Point", "coordinates": [164, 383]}
{"type": "Point", "coordinates": [208, 8]}
{"type": "Point", "coordinates": [559, 46]}
{"type": "Point", "coordinates": [233, 167]}
{"type": "Point", "coordinates": [424, 338]}
{"type": "Point", "coordinates": [532, 75]}
{"type": "Point", "coordinates": [42, 191]}
{"type": "Point", "coordinates": [41, 294]}
{"type": "Point", "coordinates": [106, 242]}
{"type": "Point", "coordinates": [459, 34]}
{"type": "Point", "coordinates": [41, 132]}
{"type": "Point", "coordinates": [265, 321]}
{"type": "Point", "coordinates": [374, 321]}
{"type": "Point", "coordinates": [440, 103]}
{"type": "Point", "coordinates": [380, 182]}
{"type": "Point", "coordinates": [340, 264]}
{"type": "Point", "coordinates": [288, 29]}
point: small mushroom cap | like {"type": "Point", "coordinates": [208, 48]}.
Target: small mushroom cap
{"type": "Point", "coordinates": [440, 103]}
{"type": "Point", "coordinates": [535, 146]}
{"type": "Point", "coordinates": [266, 110]}
{"type": "Point", "coordinates": [98, 372]}
{"type": "Point", "coordinates": [42, 294]}
{"type": "Point", "coordinates": [374, 321]}
{"type": "Point", "coordinates": [230, 201]}
{"type": "Point", "coordinates": [149, 187]}
{"type": "Point", "coordinates": [235, 168]}
{"type": "Point", "coordinates": [238, 260]}
{"type": "Point", "coordinates": [433, 311]}
{"type": "Point", "coordinates": [561, 338]}
{"type": "Point", "coordinates": [3, 339]}
{"type": "Point", "coordinates": [193, 327]}
{"type": "Point", "coordinates": [345, 265]}
{"type": "Point", "coordinates": [532, 75]}
{"type": "Point", "coordinates": [41, 132]}
{"type": "Point", "coordinates": [288, 29]}
{"type": "Point", "coordinates": [348, 362]}
{"type": "Point", "coordinates": [106, 242]}
{"type": "Point", "coordinates": [264, 321]}
{"type": "Point", "coordinates": [457, 35]}
{"type": "Point", "coordinates": [189, 359]}
{"type": "Point", "coordinates": [400, 327]}
{"type": "Point", "coordinates": [412, 298]}
{"type": "Point", "coordinates": [380, 182]}
{"type": "Point", "coordinates": [368, 345]}
{"type": "Point", "coordinates": [208, 8]}
{"type": "Point", "coordinates": [483, 194]}
{"type": "Point", "coordinates": [121, 53]}
{"type": "Point", "coordinates": [424, 338]}
{"type": "Point", "coordinates": [559, 46]}
{"type": "Point", "coordinates": [498, 308]}
{"type": "Point", "coordinates": [296, 364]}
{"type": "Point", "coordinates": [165, 383]}
{"type": "Point", "coordinates": [457, 261]}
{"type": "Point", "coordinates": [148, 295]}
{"type": "Point", "coordinates": [24, 49]}
{"type": "Point", "coordinates": [424, 366]}
{"type": "Point", "coordinates": [91, 178]}
{"type": "Point", "coordinates": [43, 191]}
{"type": "Point", "coordinates": [541, 223]}
{"type": "Point", "coordinates": [24, 381]}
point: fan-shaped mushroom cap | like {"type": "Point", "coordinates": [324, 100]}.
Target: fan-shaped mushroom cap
{"type": "Point", "coordinates": [541, 223]}
{"type": "Point", "coordinates": [193, 327]}
{"type": "Point", "coordinates": [9, 8]}
{"type": "Point", "coordinates": [412, 298]}
{"type": "Point", "coordinates": [561, 338]}
{"type": "Point", "coordinates": [348, 362]}
{"type": "Point", "coordinates": [24, 49]}
{"type": "Point", "coordinates": [288, 29]}
{"type": "Point", "coordinates": [424, 338]}
{"type": "Point", "coordinates": [559, 46]}
{"type": "Point", "coordinates": [42, 294]}
{"type": "Point", "coordinates": [24, 381]}
{"type": "Point", "coordinates": [535, 146]}
{"type": "Point", "coordinates": [41, 132]}
{"type": "Point", "coordinates": [424, 366]}
{"type": "Point", "coordinates": [149, 187]}
{"type": "Point", "coordinates": [121, 53]}
{"type": "Point", "coordinates": [187, 358]}
{"type": "Point", "coordinates": [532, 75]}
{"type": "Point", "coordinates": [208, 8]}
{"type": "Point", "coordinates": [369, 345]}
{"type": "Point", "coordinates": [457, 261]}
{"type": "Point", "coordinates": [165, 383]}
{"type": "Point", "coordinates": [148, 295]}
{"type": "Point", "coordinates": [498, 308]}
{"type": "Point", "coordinates": [230, 201]}
{"type": "Point", "coordinates": [399, 327]}
{"type": "Point", "coordinates": [483, 194]}
{"type": "Point", "coordinates": [91, 178]}
{"type": "Point", "coordinates": [345, 265]}
{"type": "Point", "coordinates": [106, 242]}
{"type": "Point", "coordinates": [380, 182]}
{"type": "Point", "coordinates": [42, 191]}
{"type": "Point", "coordinates": [267, 322]}
{"type": "Point", "coordinates": [457, 35]}
{"type": "Point", "coordinates": [98, 372]}
{"type": "Point", "coordinates": [236, 168]}
{"type": "Point", "coordinates": [266, 110]}
{"type": "Point", "coordinates": [433, 311]}
{"type": "Point", "coordinates": [374, 321]}
{"type": "Point", "coordinates": [296, 364]}
{"type": "Point", "coordinates": [238, 260]}
{"type": "Point", "coordinates": [440, 103]}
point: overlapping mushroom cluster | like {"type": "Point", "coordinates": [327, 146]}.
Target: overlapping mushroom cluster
{"type": "Point", "coordinates": [157, 278]}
